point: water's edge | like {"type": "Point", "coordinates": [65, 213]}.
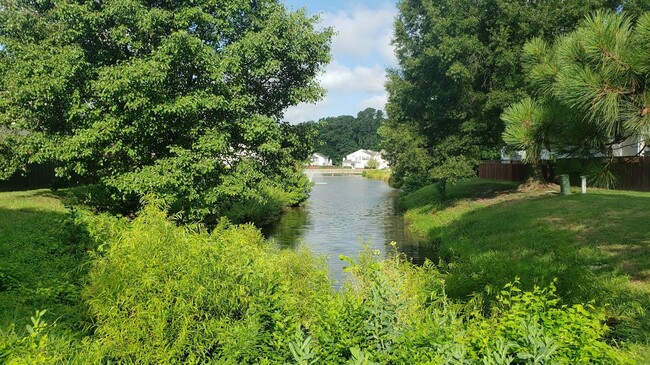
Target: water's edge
{"type": "Point", "coordinates": [342, 214]}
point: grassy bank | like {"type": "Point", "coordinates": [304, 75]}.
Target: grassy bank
{"type": "Point", "coordinates": [154, 292]}
{"type": "Point", "coordinates": [383, 175]}
{"type": "Point", "coordinates": [597, 245]}
{"type": "Point", "coordinates": [40, 260]}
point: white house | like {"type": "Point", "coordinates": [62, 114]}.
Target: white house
{"type": "Point", "coordinates": [633, 146]}
{"type": "Point", "coordinates": [318, 159]}
{"type": "Point", "coordinates": [360, 159]}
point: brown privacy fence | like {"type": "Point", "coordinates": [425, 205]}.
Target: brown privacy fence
{"type": "Point", "coordinates": [496, 170]}
{"type": "Point", "coordinates": [632, 173]}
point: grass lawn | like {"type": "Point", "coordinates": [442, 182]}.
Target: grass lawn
{"type": "Point", "coordinates": [39, 261]}
{"type": "Point", "coordinates": [596, 245]}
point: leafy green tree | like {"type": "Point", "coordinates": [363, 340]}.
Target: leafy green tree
{"type": "Point", "coordinates": [339, 136]}
{"type": "Point", "coordinates": [181, 99]}
{"type": "Point", "coordinates": [459, 67]}
{"type": "Point", "coordinates": [366, 124]}
{"type": "Point", "coordinates": [335, 137]}
{"type": "Point", "coordinates": [591, 89]}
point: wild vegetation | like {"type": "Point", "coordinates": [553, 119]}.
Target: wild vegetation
{"type": "Point", "coordinates": [173, 109]}
{"type": "Point", "coordinates": [594, 246]}
{"type": "Point", "coordinates": [375, 174]}
{"type": "Point", "coordinates": [159, 293]}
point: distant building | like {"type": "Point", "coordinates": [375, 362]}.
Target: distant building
{"type": "Point", "coordinates": [318, 159]}
{"type": "Point", "coordinates": [632, 146]}
{"type": "Point", "coordinates": [361, 158]}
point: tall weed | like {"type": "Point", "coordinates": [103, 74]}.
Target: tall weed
{"type": "Point", "coordinates": [163, 294]}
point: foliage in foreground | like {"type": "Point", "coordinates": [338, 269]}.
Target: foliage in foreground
{"type": "Point", "coordinates": [167, 294]}
{"type": "Point", "coordinates": [593, 244]}
{"type": "Point", "coordinates": [181, 99]}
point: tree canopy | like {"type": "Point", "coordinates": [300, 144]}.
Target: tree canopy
{"type": "Point", "coordinates": [181, 99]}
{"type": "Point", "coordinates": [459, 67]}
{"type": "Point", "coordinates": [590, 86]}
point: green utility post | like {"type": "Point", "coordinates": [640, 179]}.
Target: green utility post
{"type": "Point", "coordinates": [565, 185]}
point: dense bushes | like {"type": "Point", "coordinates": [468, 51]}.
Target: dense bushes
{"type": "Point", "coordinates": [164, 294]}
{"type": "Point", "coordinates": [160, 293]}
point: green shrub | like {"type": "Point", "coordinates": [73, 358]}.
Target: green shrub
{"type": "Point", "coordinates": [532, 327]}
{"type": "Point", "coordinates": [164, 294]}
{"type": "Point", "coordinates": [42, 344]}
{"type": "Point", "coordinates": [168, 294]}
{"type": "Point", "coordinates": [383, 175]}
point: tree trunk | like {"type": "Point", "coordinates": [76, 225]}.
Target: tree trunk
{"type": "Point", "coordinates": [536, 173]}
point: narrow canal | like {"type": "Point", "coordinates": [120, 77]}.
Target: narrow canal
{"type": "Point", "coordinates": [342, 213]}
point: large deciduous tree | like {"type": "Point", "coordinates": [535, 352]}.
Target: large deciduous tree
{"type": "Point", "coordinates": [339, 136]}
{"type": "Point", "coordinates": [459, 67]}
{"type": "Point", "coordinates": [591, 89]}
{"type": "Point", "coordinates": [183, 99]}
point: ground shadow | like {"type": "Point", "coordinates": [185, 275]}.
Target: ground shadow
{"type": "Point", "coordinates": [429, 197]}
{"type": "Point", "coordinates": [41, 266]}
{"type": "Point", "coordinates": [597, 246]}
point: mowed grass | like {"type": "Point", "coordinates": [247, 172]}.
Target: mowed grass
{"type": "Point", "coordinates": [40, 261]}
{"type": "Point", "coordinates": [597, 246]}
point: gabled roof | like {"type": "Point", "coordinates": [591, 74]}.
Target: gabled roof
{"type": "Point", "coordinates": [367, 152]}
{"type": "Point", "coordinates": [320, 155]}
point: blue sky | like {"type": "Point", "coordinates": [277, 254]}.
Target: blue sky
{"type": "Point", "coordinates": [361, 52]}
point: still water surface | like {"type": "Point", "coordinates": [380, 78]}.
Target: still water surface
{"type": "Point", "coordinates": [342, 213]}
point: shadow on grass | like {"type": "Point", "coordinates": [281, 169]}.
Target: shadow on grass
{"type": "Point", "coordinates": [41, 264]}
{"type": "Point", "coordinates": [429, 197]}
{"type": "Point", "coordinates": [596, 245]}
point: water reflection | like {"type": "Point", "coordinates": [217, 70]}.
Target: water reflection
{"type": "Point", "coordinates": [342, 213]}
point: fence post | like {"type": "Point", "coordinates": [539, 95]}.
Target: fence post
{"type": "Point", "coordinates": [565, 185]}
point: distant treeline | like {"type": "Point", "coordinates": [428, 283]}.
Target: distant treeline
{"type": "Point", "coordinates": [339, 136]}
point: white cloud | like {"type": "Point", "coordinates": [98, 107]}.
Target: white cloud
{"type": "Point", "coordinates": [361, 51]}
{"type": "Point", "coordinates": [362, 32]}
{"type": "Point", "coordinates": [341, 78]}
{"type": "Point", "coordinates": [378, 102]}
{"type": "Point", "coordinates": [304, 112]}
{"type": "Point", "coordinates": [349, 90]}
{"type": "Point", "coordinates": [387, 50]}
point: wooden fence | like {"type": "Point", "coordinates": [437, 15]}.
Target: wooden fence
{"type": "Point", "coordinates": [633, 173]}
{"type": "Point", "coordinates": [496, 170]}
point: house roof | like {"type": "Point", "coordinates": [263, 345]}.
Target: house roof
{"type": "Point", "coordinates": [320, 155]}
{"type": "Point", "coordinates": [367, 152]}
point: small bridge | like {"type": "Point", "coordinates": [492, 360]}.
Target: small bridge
{"type": "Point", "coordinates": [333, 172]}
